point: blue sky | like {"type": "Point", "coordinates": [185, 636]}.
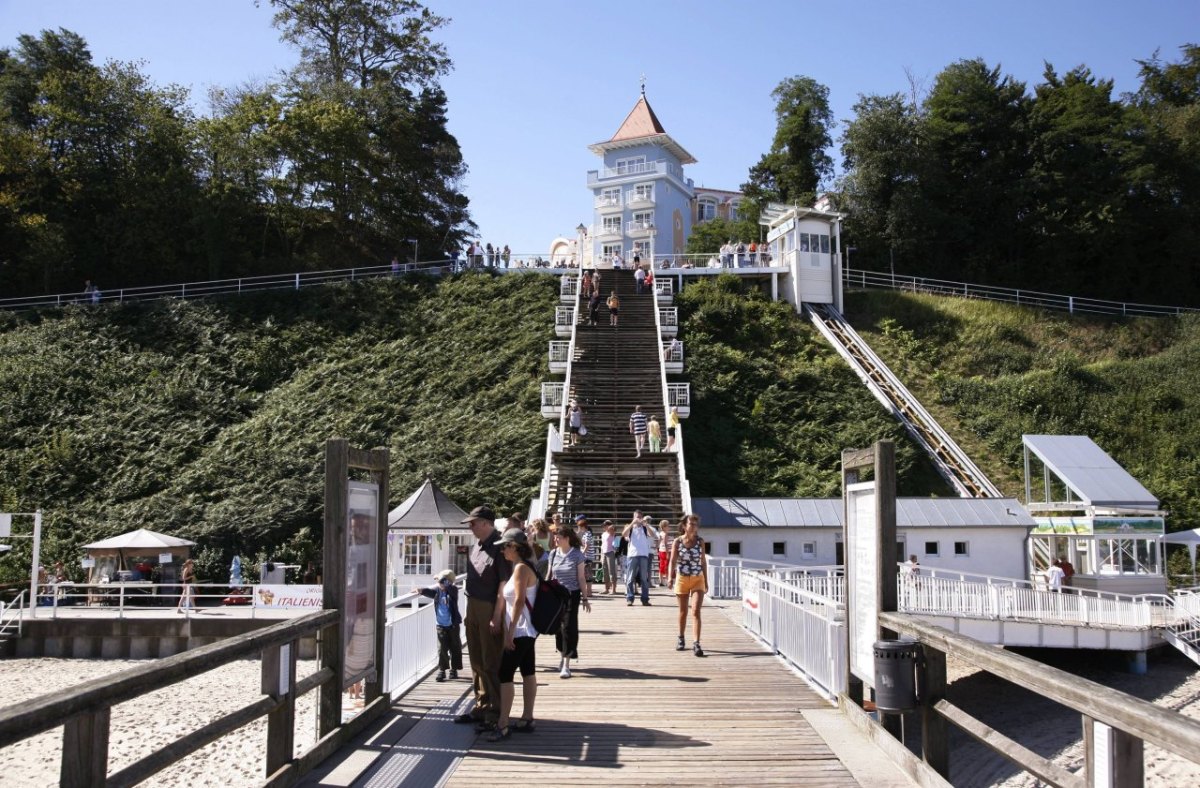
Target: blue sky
{"type": "Point", "coordinates": [536, 82]}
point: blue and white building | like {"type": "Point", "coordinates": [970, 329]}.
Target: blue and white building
{"type": "Point", "coordinates": [642, 201]}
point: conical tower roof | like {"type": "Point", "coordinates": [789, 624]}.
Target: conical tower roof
{"type": "Point", "coordinates": [642, 126]}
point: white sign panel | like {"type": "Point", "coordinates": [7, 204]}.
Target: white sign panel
{"type": "Point", "coordinates": [281, 597]}
{"type": "Point", "coordinates": [750, 593]}
{"type": "Point", "coordinates": [862, 551]}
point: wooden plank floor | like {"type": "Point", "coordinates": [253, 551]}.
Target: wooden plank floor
{"type": "Point", "coordinates": [637, 712]}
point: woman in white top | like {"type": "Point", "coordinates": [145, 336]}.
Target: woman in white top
{"type": "Point", "coordinates": [519, 635]}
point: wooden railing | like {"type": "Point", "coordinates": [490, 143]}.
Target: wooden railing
{"type": "Point", "coordinates": [84, 711]}
{"type": "Point", "coordinates": [1115, 725]}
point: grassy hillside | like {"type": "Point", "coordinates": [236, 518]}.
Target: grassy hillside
{"type": "Point", "coordinates": [208, 418]}
{"type": "Point", "coordinates": [992, 372]}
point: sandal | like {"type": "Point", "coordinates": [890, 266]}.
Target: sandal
{"type": "Point", "coordinates": [525, 726]}
{"type": "Point", "coordinates": [500, 734]}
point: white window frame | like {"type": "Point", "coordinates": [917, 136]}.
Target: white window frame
{"type": "Point", "coordinates": [417, 555]}
{"type": "Point", "coordinates": [706, 209]}
{"type": "Point", "coordinates": [608, 250]}
{"type": "Point", "coordinates": [612, 224]}
{"type": "Point", "coordinates": [630, 166]}
{"type": "Point", "coordinates": [808, 549]}
{"type": "Point", "coordinates": [643, 217]}
{"type": "Point", "coordinates": [612, 195]}
{"type": "Point", "coordinates": [644, 191]}
{"type": "Point", "coordinates": [642, 248]}
{"type": "Point", "coordinates": [733, 209]}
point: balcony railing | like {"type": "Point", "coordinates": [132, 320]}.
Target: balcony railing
{"type": "Point", "coordinates": [564, 316]}
{"type": "Point", "coordinates": [552, 395]}
{"type": "Point", "coordinates": [635, 229]}
{"type": "Point", "coordinates": [636, 199]}
{"type": "Point", "coordinates": [664, 287]}
{"type": "Point", "coordinates": [609, 202]}
{"type": "Point", "coordinates": [642, 168]}
{"type": "Point", "coordinates": [609, 232]}
{"type": "Point", "coordinates": [559, 351]}
{"type": "Point", "coordinates": [568, 285]}
{"type": "Point", "coordinates": [668, 316]}
{"type": "Point", "coordinates": [673, 352]}
{"type": "Point", "coordinates": [679, 395]}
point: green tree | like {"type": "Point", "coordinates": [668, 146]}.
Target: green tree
{"type": "Point", "coordinates": [365, 127]}
{"type": "Point", "coordinates": [797, 162]}
{"type": "Point", "coordinates": [708, 236]}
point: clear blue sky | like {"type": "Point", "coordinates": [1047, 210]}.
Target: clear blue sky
{"type": "Point", "coordinates": [536, 82]}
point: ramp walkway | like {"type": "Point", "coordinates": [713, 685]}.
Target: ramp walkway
{"type": "Point", "coordinates": [636, 712]}
{"type": "Point", "coordinates": [950, 460]}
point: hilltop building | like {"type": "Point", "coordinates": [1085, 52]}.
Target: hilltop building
{"type": "Point", "coordinates": [643, 203]}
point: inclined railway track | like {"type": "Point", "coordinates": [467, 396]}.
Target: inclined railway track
{"type": "Point", "coordinates": [949, 459]}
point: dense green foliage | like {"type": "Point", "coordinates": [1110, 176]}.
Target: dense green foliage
{"type": "Point", "coordinates": [208, 419]}
{"type": "Point", "coordinates": [1063, 189]}
{"type": "Point", "coordinates": [993, 372]}
{"type": "Point", "coordinates": [105, 176]}
{"type": "Point", "coordinates": [773, 405]}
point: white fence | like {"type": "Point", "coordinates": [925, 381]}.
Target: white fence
{"type": "Point", "coordinates": [1064, 303]}
{"type": "Point", "coordinates": [804, 628]}
{"type": "Point", "coordinates": [410, 639]}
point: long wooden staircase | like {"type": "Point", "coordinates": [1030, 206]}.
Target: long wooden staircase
{"type": "Point", "coordinates": [611, 371]}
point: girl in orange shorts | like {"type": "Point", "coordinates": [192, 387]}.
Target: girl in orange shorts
{"type": "Point", "coordinates": [688, 573]}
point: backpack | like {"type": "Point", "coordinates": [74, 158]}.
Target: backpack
{"type": "Point", "coordinates": [549, 606]}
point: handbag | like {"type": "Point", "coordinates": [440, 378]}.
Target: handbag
{"type": "Point", "coordinates": [582, 430]}
{"type": "Point", "coordinates": [549, 606]}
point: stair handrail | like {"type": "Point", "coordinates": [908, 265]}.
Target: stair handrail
{"type": "Point", "coordinates": [562, 417]}
{"type": "Point", "coordinates": [553, 435]}
{"type": "Point", "coordinates": [13, 610]}
{"type": "Point", "coordinates": [685, 489]}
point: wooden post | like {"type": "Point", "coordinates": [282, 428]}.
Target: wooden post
{"type": "Point", "coordinates": [279, 681]}
{"type": "Point", "coordinates": [885, 511]}
{"type": "Point", "coordinates": [85, 750]}
{"type": "Point", "coordinates": [935, 730]}
{"type": "Point", "coordinates": [1114, 758]}
{"type": "Point", "coordinates": [333, 577]}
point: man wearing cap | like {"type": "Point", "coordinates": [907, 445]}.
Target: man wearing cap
{"type": "Point", "coordinates": [487, 571]}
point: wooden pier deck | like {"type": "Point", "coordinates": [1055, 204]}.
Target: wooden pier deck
{"type": "Point", "coordinates": [635, 712]}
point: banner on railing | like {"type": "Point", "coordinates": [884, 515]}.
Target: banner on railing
{"type": "Point", "coordinates": [750, 592]}
{"type": "Point", "coordinates": [284, 597]}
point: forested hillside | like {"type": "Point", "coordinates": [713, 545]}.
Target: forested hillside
{"type": "Point", "coordinates": [207, 419]}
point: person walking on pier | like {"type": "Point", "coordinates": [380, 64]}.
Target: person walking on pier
{"type": "Point", "coordinates": [188, 578]}
{"type": "Point", "coordinates": [688, 572]}
{"type": "Point", "coordinates": [519, 593]}
{"type": "Point", "coordinates": [567, 566]}
{"type": "Point", "coordinates": [638, 428]}
{"type": "Point", "coordinates": [640, 537]}
{"type": "Point", "coordinates": [608, 554]}
{"type": "Point", "coordinates": [487, 572]}
{"type": "Point", "coordinates": [664, 550]}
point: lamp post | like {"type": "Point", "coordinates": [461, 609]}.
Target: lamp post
{"type": "Point", "coordinates": [581, 233]}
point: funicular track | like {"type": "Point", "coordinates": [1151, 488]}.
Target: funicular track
{"type": "Point", "coordinates": [949, 459]}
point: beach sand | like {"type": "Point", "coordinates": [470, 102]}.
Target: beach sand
{"type": "Point", "coordinates": [149, 722]}
{"type": "Point", "coordinates": [1054, 731]}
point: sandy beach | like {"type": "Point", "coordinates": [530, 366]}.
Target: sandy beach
{"type": "Point", "coordinates": [152, 721]}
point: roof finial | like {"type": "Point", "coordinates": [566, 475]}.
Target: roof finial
{"type": "Point", "coordinates": [643, 84]}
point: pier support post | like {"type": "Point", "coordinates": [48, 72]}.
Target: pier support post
{"type": "Point", "coordinates": [935, 730]}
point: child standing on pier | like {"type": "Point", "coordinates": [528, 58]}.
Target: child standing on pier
{"type": "Point", "coordinates": [449, 620]}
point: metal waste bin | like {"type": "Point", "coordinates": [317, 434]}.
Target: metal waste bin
{"type": "Point", "coordinates": [895, 675]}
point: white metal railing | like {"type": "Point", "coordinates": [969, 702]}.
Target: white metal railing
{"type": "Point", "coordinates": [568, 285]}
{"type": "Point", "coordinates": [679, 395]}
{"type": "Point", "coordinates": [673, 352]}
{"type": "Point", "coordinates": [924, 595]}
{"type": "Point", "coordinates": [11, 619]}
{"type": "Point", "coordinates": [804, 628]}
{"type": "Point", "coordinates": [712, 261]}
{"type": "Point", "coordinates": [129, 598]}
{"type": "Point", "coordinates": [639, 227]}
{"type": "Point", "coordinates": [634, 197]}
{"type": "Point", "coordinates": [668, 316]}
{"type": "Point", "coordinates": [560, 351]}
{"type": "Point", "coordinates": [552, 395]}
{"type": "Point", "coordinates": [1055, 301]}
{"type": "Point", "coordinates": [564, 315]}
{"type": "Point", "coordinates": [638, 168]}
{"type": "Point", "coordinates": [724, 573]}
{"type": "Point", "coordinates": [664, 287]}
{"type": "Point", "coordinates": [609, 201]}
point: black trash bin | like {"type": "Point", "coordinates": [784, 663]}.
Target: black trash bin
{"type": "Point", "coordinates": [895, 675]}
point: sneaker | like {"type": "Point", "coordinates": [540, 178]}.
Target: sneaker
{"type": "Point", "coordinates": [699, 652]}
{"type": "Point", "coordinates": [680, 645]}
{"type": "Point", "coordinates": [629, 603]}
{"type": "Point", "coordinates": [453, 674]}
{"type": "Point", "coordinates": [645, 602]}
{"type": "Point", "coordinates": [441, 676]}
{"type": "Point", "coordinates": [565, 673]}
